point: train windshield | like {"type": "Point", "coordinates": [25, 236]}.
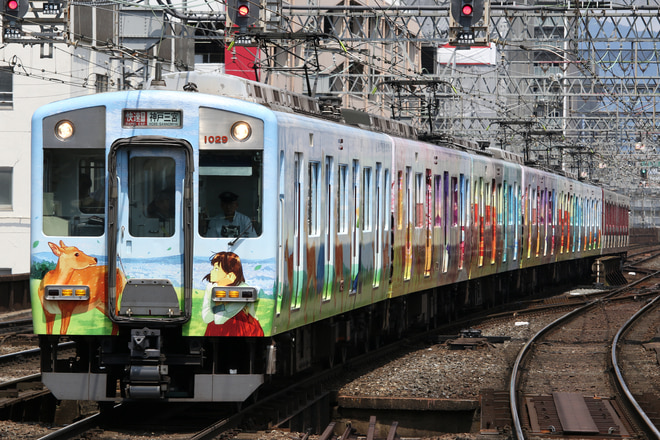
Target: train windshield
{"type": "Point", "coordinates": [152, 196]}
{"type": "Point", "coordinates": [74, 192]}
{"type": "Point", "coordinates": [230, 193]}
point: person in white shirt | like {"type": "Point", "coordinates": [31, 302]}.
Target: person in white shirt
{"type": "Point", "coordinates": [230, 223]}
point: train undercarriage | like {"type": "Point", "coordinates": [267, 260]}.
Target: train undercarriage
{"type": "Point", "coordinates": [158, 363]}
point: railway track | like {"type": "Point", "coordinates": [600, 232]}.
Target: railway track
{"type": "Point", "coordinates": [294, 407]}
{"type": "Point", "coordinates": [632, 372]}
{"type": "Point", "coordinates": [561, 382]}
{"type": "Point", "coordinates": [17, 325]}
{"type": "Point", "coordinates": [19, 363]}
{"type": "Point", "coordinates": [22, 395]}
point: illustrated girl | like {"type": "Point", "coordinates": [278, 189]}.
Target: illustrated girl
{"type": "Point", "coordinates": [228, 318]}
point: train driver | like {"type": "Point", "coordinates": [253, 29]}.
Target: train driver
{"type": "Point", "coordinates": [230, 223]}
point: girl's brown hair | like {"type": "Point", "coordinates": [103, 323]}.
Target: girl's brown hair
{"type": "Point", "coordinates": [229, 262]}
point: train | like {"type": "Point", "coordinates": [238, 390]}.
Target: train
{"type": "Point", "coordinates": [208, 234]}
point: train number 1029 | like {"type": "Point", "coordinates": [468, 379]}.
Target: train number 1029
{"type": "Point", "coordinates": [216, 139]}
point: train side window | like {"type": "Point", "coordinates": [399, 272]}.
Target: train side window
{"type": "Point", "coordinates": [599, 223]}
{"type": "Point", "coordinates": [342, 197]}
{"type": "Point", "coordinates": [437, 204]}
{"type": "Point", "coordinates": [587, 223]}
{"type": "Point", "coordinates": [355, 227]}
{"type": "Point", "coordinates": [445, 212]}
{"type": "Point", "coordinates": [388, 220]}
{"type": "Point", "coordinates": [329, 234]}
{"type": "Point", "coordinates": [298, 245]}
{"type": "Point", "coordinates": [428, 224]}
{"type": "Point", "coordinates": [419, 201]}
{"type": "Point", "coordinates": [464, 215]}
{"type": "Point", "coordinates": [589, 218]}
{"type": "Point", "coordinates": [572, 221]}
{"type": "Point", "coordinates": [388, 199]}
{"type": "Point", "coordinates": [551, 221]}
{"type": "Point", "coordinates": [497, 190]}
{"type": "Point", "coordinates": [559, 206]}
{"type": "Point", "coordinates": [582, 205]}
{"type": "Point", "coordinates": [367, 199]}
{"type": "Point", "coordinates": [378, 225]}
{"type": "Point", "coordinates": [581, 223]}
{"type": "Point", "coordinates": [454, 201]}
{"type": "Point", "coordinates": [314, 198]}
{"type": "Point", "coordinates": [399, 204]}
{"type": "Point", "coordinates": [236, 172]}
{"type": "Point", "coordinates": [407, 270]}
{"type": "Point", "coordinates": [506, 218]}
{"type": "Point", "coordinates": [528, 219]}
{"type": "Point", "coordinates": [283, 185]}
{"type": "Point", "coordinates": [74, 206]}
{"type": "Point", "coordinates": [480, 210]}
{"type": "Point", "coordinates": [515, 201]}
{"type": "Point", "coordinates": [536, 203]}
{"type": "Point", "coordinates": [501, 207]}
{"type": "Point", "coordinates": [488, 203]}
{"type": "Point", "coordinates": [565, 223]}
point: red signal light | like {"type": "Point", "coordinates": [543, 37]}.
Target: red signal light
{"type": "Point", "coordinates": [466, 9]}
{"type": "Point", "coordinates": [243, 10]}
{"type": "Point", "coordinates": [12, 5]}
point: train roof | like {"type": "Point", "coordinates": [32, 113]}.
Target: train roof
{"type": "Point", "coordinates": [216, 83]}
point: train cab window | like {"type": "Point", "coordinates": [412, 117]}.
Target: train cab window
{"type": "Point", "coordinates": [74, 192]}
{"type": "Point", "coordinates": [230, 185]}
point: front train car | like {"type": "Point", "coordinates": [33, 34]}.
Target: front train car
{"type": "Point", "coordinates": [150, 235]}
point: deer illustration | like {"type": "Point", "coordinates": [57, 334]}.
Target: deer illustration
{"type": "Point", "coordinates": [74, 267]}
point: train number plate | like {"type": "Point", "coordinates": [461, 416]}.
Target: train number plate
{"type": "Point", "coordinates": [151, 118]}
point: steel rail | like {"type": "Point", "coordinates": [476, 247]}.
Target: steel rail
{"type": "Point", "coordinates": [524, 352]}
{"type": "Point", "coordinates": [74, 429]}
{"type": "Point", "coordinates": [526, 349]}
{"type": "Point", "coordinates": [621, 381]}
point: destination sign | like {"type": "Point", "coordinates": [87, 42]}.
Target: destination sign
{"type": "Point", "coordinates": [152, 118]}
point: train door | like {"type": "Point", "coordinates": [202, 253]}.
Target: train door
{"type": "Point", "coordinates": [150, 228]}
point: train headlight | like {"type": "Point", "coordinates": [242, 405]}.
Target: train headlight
{"type": "Point", "coordinates": [234, 294]}
{"type": "Point", "coordinates": [67, 292]}
{"type": "Point", "coordinates": [64, 130]}
{"type": "Point", "coordinates": [241, 131]}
